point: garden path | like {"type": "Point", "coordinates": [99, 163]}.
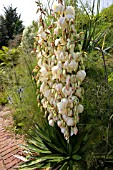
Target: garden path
{"type": "Point", "coordinates": [9, 142]}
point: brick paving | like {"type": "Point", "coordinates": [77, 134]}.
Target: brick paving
{"type": "Point", "coordinates": [9, 142]}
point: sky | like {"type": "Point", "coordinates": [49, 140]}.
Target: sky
{"type": "Point", "coordinates": [27, 9]}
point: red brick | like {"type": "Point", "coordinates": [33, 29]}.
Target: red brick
{"type": "Point", "coordinates": [7, 147]}
{"type": "Point", "coordinates": [10, 159]}
{"type": "Point", "coordinates": [2, 129]}
{"type": "Point", "coordinates": [10, 154]}
{"type": "Point", "coordinates": [4, 135]}
{"type": "Point", "coordinates": [16, 166]}
{"type": "Point", "coordinates": [4, 138]}
{"type": "Point", "coordinates": [2, 167]}
{"type": "Point", "coordinates": [9, 150]}
{"type": "Point", "coordinates": [12, 163]}
{"type": "Point", "coordinates": [5, 143]}
{"type": "Point", "coordinates": [8, 144]}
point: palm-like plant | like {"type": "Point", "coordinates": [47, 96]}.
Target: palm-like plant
{"type": "Point", "coordinates": [48, 148]}
{"type": "Point", "coordinates": [92, 34]}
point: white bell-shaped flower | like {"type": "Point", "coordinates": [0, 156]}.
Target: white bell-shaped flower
{"type": "Point", "coordinates": [67, 91]}
{"type": "Point", "coordinates": [61, 107]}
{"type": "Point", "coordinates": [57, 71]}
{"type": "Point", "coordinates": [57, 7]}
{"type": "Point", "coordinates": [62, 23]}
{"type": "Point", "coordinates": [44, 71]}
{"type": "Point", "coordinates": [43, 87]}
{"type": "Point", "coordinates": [51, 122]}
{"type": "Point", "coordinates": [50, 116]}
{"type": "Point", "coordinates": [63, 129]}
{"type": "Point", "coordinates": [80, 108]}
{"type": "Point", "coordinates": [70, 121]}
{"type": "Point", "coordinates": [57, 42]}
{"type": "Point", "coordinates": [59, 123]}
{"type": "Point", "coordinates": [81, 74]}
{"type": "Point", "coordinates": [43, 35]}
{"type": "Point", "coordinates": [69, 17]}
{"type": "Point", "coordinates": [70, 10]}
{"type": "Point", "coordinates": [58, 87]}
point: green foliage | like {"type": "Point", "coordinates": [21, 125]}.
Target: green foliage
{"type": "Point", "coordinates": [106, 14]}
{"type": "Point", "coordinates": [3, 98]}
{"type": "Point", "coordinates": [21, 92]}
{"type": "Point", "coordinates": [9, 57]}
{"type": "Point", "coordinates": [96, 90]}
{"type": "Point", "coordinates": [27, 42]}
{"type": "Point", "coordinates": [107, 22]}
{"type": "Point", "coordinates": [110, 78]}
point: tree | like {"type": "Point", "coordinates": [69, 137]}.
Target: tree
{"type": "Point", "coordinates": [3, 32]}
{"type": "Point", "coordinates": [12, 23]}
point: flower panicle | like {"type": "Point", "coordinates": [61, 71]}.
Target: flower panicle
{"type": "Point", "coordinates": [60, 70]}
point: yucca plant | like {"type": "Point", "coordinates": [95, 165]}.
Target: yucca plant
{"type": "Point", "coordinates": [62, 146]}
{"type": "Point", "coordinates": [48, 148]}
{"type": "Point", "coordinates": [92, 33]}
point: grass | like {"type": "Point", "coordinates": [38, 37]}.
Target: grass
{"type": "Point", "coordinates": [21, 91]}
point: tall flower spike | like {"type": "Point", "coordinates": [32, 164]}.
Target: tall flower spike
{"type": "Point", "coordinates": [60, 70]}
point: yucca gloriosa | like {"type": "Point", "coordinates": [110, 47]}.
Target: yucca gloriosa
{"type": "Point", "coordinates": [47, 147]}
